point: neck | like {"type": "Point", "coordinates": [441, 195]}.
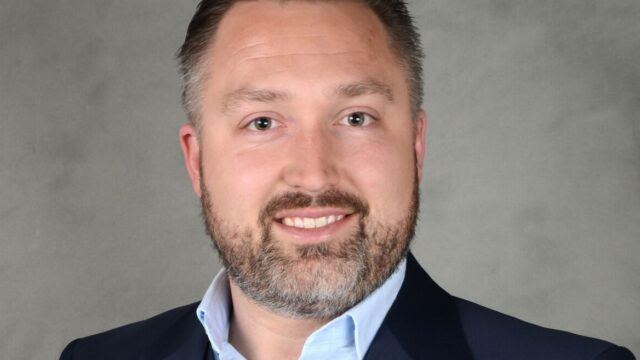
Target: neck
{"type": "Point", "coordinates": [258, 333]}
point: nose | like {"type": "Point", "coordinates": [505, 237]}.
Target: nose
{"type": "Point", "coordinates": [312, 162]}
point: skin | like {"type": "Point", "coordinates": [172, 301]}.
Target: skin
{"type": "Point", "coordinates": [303, 53]}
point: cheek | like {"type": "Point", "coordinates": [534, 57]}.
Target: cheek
{"type": "Point", "coordinates": [239, 183]}
{"type": "Point", "coordinates": [385, 175]}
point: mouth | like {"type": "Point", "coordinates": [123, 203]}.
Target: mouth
{"type": "Point", "coordinates": [313, 224]}
{"type": "Point", "coordinates": [310, 223]}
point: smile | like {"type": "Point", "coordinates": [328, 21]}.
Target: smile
{"type": "Point", "coordinates": [311, 223]}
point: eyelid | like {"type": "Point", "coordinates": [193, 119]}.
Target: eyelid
{"type": "Point", "coordinates": [248, 121]}
{"type": "Point", "coordinates": [367, 112]}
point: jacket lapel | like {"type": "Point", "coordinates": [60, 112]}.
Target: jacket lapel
{"type": "Point", "coordinates": [197, 348]}
{"type": "Point", "coordinates": [422, 323]}
{"type": "Point", "coordinates": [186, 340]}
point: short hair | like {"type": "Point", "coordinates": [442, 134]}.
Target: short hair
{"type": "Point", "coordinates": [398, 22]}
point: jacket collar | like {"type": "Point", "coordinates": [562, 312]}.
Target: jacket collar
{"type": "Point", "coordinates": [185, 340]}
{"type": "Point", "coordinates": [422, 323]}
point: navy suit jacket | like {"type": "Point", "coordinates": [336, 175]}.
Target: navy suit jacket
{"type": "Point", "coordinates": [424, 322]}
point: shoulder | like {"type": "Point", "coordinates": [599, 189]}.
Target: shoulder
{"type": "Point", "coordinates": [133, 340]}
{"type": "Point", "coordinates": [493, 335]}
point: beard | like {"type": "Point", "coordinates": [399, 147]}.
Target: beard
{"type": "Point", "coordinates": [319, 281]}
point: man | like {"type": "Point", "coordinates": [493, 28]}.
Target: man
{"type": "Point", "coordinates": [305, 146]}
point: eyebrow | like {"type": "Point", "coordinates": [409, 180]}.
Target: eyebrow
{"type": "Point", "coordinates": [367, 87]}
{"type": "Point", "coordinates": [243, 95]}
{"type": "Point", "coordinates": [350, 90]}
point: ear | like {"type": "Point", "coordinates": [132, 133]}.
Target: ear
{"type": "Point", "coordinates": [191, 151]}
{"type": "Point", "coordinates": [421, 129]}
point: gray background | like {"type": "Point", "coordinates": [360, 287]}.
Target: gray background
{"type": "Point", "coordinates": [531, 199]}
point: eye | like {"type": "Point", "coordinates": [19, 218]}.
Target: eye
{"type": "Point", "coordinates": [262, 123]}
{"type": "Point", "coordinates": [357, 119]}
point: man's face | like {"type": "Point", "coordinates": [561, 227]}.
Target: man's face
{"type": "Point", "coordinates": [308, 160]}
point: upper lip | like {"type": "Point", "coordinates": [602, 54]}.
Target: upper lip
{"type": "Point", "coordinates": [312, 213]}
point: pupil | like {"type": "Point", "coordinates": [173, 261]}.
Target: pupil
{"type": "Point", "coordinates": [263, 123]}
{"type": "Point", "coordinates": [356, 119]}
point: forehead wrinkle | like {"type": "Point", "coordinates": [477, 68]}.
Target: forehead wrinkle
{"type": "Point", "coordinates": [266, 57]}
{"type": "Point", "coordinates": [247, 94]}
{"type": "Point", "coordinates": [265, 43]}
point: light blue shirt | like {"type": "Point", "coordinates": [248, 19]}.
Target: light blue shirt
{"type": "Point", "coordinates": [346, 337]}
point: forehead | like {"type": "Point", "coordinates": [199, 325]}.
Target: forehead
{"type": "Point", "coordinates": [255, 23]}
{"type": "Point", "coordinates": [257, 39]}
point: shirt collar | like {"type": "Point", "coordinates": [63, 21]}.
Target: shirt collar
{"type": "Point", "coordinates": [360, 323]}
{"type": "Point", "coordinates": [213, 311]}
{"type": "Point", "coordinates": [369, 313]}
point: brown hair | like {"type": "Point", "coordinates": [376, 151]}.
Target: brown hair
{"type": "Point", "coordinates": [405, 42]}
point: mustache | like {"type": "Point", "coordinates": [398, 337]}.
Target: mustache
{"type": "Point", "coordinates": [329, 198]}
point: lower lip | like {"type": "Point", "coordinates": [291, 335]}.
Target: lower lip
{"type": "Point", "coordinates": [316, 235]}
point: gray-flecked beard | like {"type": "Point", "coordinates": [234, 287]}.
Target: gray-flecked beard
{"type": "Point", "coordinates": [313, 281]}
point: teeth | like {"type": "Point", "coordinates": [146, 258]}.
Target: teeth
{"type": "Point", "coordinates": [310, 223]}
{"type": "Point", "coordinates": [320, 222]}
